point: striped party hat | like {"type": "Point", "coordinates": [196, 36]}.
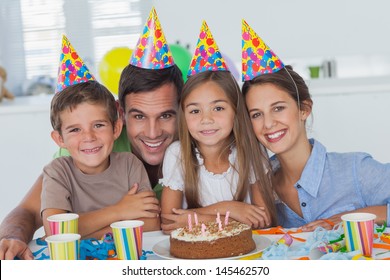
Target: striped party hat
{"type": "Point", "coordinates": [72, 69]}
{"type": "Point", "coordinates": [257, 57]}
{"type": "Point", "coordinates": [207, 56]}
{"type": "Point", "coordinates": [152, 50]}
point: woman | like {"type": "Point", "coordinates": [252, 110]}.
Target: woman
{"type": "Point", "coordinates": [314, 187]}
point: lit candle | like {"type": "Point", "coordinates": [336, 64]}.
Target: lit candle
{"type": "Point", "coordinates": [196, 219]}
{"type": "Point", "coordinates": [227, 217]}
{"type": "Point", "coordinates": [189, 222]}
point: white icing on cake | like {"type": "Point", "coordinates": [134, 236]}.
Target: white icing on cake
{"type": "Point", "coordinates": [211, 232]}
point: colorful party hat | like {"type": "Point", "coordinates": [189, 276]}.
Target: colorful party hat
{"type": "Point", "coordinates": [257, 57]}
{"type": "Point", "coordinates": [207, 56]}
{"type": "Point", "coordinates": [152, 51]}
{"type": "Point", "coordinates": [72, 69]}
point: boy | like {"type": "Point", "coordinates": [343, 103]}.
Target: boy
{"type": "Point", "coordinates": [94, 182]}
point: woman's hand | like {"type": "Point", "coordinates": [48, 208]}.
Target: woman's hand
{"type": "Point", "coordinates": [324, 223]}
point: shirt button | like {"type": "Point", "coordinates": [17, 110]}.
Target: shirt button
{"type": "Point", "coordinates": [299, 186]}
{"type": "Point", "coordinates": [303, 204]}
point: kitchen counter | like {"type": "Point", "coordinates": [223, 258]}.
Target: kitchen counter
{"type": "Point", "coordinates": [25, 146]}
{"type": "Point", "coordinates": [39, 103]}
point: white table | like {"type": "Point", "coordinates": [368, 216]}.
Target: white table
{"type": "Point", "coordinates": [150, 239]}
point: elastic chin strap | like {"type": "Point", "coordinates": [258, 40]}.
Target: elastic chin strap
{"type": "Point", "coordinates": [296, 89]}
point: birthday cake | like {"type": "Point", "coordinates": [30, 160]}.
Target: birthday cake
{"type": "Point", "coordinates": [212, 240]}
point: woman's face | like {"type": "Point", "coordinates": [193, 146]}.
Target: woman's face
{"type": "Point", "coordinates": [276, 120]}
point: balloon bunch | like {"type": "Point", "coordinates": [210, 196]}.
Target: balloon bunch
{"type": "Point", "coordinates": [116, 59]}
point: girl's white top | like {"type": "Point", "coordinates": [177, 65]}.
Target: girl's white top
{"type": "Point", "coordinates": [213, 187]}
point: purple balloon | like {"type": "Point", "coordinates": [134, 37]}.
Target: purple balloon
{"type": "Point", "coordinates": [232, 67]}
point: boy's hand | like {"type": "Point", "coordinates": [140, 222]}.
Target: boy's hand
{"type": "Point", "coordinates": [138, 205]}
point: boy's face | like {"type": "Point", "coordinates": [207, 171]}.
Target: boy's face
{"type": "Point", "coordinates": [151, 122]}
{"type": "Point", "coordinates": [88, 135]}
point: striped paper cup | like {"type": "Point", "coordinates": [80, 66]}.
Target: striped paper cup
{"type": "Point", "coordinates": [128, 239]}
{"type": "Point", "coordinates": [64, 223]}
{"type": "Point", "coordinates": [64, 246]}
{"type": "Point", "coordinates": [359, 232]}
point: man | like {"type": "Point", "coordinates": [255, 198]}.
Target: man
{"type": "Point", "coordinates": [149, 100]}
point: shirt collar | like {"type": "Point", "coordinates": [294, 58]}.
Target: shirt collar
{"type": "Point", "coordinates": [312, 173]}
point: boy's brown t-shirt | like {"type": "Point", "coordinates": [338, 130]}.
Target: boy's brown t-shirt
{"type": "Point", "coordinates": [66, 187]}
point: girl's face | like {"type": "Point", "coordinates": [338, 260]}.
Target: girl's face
{"type": "Point", "coordinates": [275, 118]}
{"type": "Point", "coordinates": [88, 135]}
{"type": "Point", "coordinates": [209, 115]}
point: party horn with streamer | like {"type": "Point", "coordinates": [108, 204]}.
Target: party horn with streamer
{"type": "Point", "coordinates": [286, 239]}
{"type": "Point", "coordinates": [331, 247]}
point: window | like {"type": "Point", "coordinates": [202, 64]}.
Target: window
{"type": "Point", "coordinates": [41, 35]}
{"type": "Point", "coordinates": [115, 24]}
{"type": "Point", "coordinates": [35, 28]}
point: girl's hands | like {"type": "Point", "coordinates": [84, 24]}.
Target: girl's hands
{"type": "Point", "coordinates": [252, 215]}
{"type": "Point", "coordinates": [249, 214]}
{"type": "Point", "coordinates": [178, 219]}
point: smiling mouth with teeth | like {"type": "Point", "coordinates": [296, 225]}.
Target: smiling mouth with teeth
{"type": "Point", "coordinates": [275, 135]}
{"type": "Point", "coordinates": [153, 145]}
{"type": "Point", "coordinates": [208, 131]}
{"type": "Point", "coordinates": [94, 150]}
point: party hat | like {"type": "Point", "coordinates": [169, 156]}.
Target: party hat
{"type": "Point", "coordinates": [152, 51]}
{"type": "Point", "coordinates": [207, 56]}
{"type": "Point", "coordinates": [257, 57]}
{"type": "Point", "coordinates": [72, 69]}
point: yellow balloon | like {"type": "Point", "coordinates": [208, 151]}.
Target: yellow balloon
{"type": "Point", "coordinates": [112, 65]}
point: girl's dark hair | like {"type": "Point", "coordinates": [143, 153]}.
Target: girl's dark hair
{"type": "Point", "coordinates": [286, 79]}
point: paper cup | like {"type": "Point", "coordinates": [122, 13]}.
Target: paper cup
{"type": "Point", "coordinates": [359, 232]}
{"type": "Point", "coordinates": [128, 239]}
{"type": "Point", "coordinates": [64, 223]}
{"type": "Point", "coordinates": [64, 246]}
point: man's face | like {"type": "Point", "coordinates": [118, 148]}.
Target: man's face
{"type": "Point", "coordinates": [151, 122]}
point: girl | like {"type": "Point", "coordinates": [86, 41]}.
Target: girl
{"type": "Point", "coordinates": [315, 188]}
{"type": "Point", "coordinates": [217, 166]}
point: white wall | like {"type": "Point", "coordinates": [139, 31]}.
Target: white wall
{"type": "Point", "coordinates": [352, 115]}
{"type": "Point", "coordinates": [25, 147]}
{"type": "Point", "coordinates": [295, 30]}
